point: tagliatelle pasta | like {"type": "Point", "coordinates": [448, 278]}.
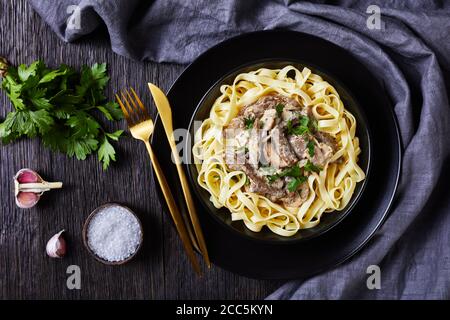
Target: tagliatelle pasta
{"type": "Point", "coordinates": [330, 189]}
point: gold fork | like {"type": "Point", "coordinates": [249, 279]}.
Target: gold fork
{"type": "Point", "coordinates": [141, 128]}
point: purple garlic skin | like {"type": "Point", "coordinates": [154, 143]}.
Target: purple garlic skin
{"type": "Point", "coordinates": [26, 200]}
{"type": "Point", "coordinates": [56, 246]}
{"type": "Point", "coordinates": [29, 186]}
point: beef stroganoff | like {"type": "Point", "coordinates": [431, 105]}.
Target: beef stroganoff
{"type": "Point", "coordinates": [278, 151]}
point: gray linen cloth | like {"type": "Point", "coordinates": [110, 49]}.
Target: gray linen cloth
{"type": "Point", "coordinates": [409, 54]}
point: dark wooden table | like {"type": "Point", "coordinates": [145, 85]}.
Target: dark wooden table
{"type": "Point", "coordinates": [161, 270]}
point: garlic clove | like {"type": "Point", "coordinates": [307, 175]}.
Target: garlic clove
{"type": "Point", "coordinates": [29, 186]}
{"type": "Point", "coordinates": [26, 200]}
{"type": "Point", "coordinates": [27, 176]}
{"type": "Point", "coordinates": [56, 246]}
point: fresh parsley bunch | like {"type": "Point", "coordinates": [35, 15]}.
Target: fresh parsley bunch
{"type": "Point", "coordinates": [57, 106]}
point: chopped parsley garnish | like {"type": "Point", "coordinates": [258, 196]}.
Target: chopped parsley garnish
{"type": "Point", "coordinates": [314, 124]}
{"type": "Point", "coordinates": [272, 178]}
{"type": "Point", "coordinates": [298, 130]}
{"type": "Point", "coordinates": [294, 172]}
{"type": "Point", "coordinates": [309, 166]}
{"type": "Point", "coordinates": [290, 127]}
{"type": "Point", "coordinates": [304, 121]}
{"type": "Point", "coordinates": [248, 122]}
{"type": "Point", "coordinates": [305, 125]}
{"type": "Point", "coordinates": [279, 108]}
{"type": "Point", "coordinates": [295, 183]}
{"type": "Point", "coordinates": [310, 147]}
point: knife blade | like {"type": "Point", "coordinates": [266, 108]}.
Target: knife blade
{"type": "Point", "coordinates": [165, 112]}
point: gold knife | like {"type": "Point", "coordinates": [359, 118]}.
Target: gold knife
{"type": "Point", "coordinates": [165, 112]}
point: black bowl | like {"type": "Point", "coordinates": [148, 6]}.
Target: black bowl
{"type": "Point", "coordinates": [328, 220]}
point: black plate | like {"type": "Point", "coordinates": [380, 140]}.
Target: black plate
{"type": "Point", "coordinates": [328, 220]}
{"type": "Point", "coordinates": [275, 261]}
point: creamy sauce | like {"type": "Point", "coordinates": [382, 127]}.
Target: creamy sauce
{"type": "Point", "coordinates": [276, 143]}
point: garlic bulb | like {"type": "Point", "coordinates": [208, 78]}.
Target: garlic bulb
{"type": "Point", "coordinates": [29, 186]}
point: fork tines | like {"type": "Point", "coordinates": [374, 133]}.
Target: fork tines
{"type": "Point", "coordinates": [132, 108]}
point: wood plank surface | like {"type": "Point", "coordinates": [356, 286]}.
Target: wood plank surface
{"type": "Point", "coordinates": [161, 270]}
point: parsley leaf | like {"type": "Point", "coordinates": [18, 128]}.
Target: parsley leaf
{"type": "Point", "coordinates": [305, 126]}
{"type": "Point", "coordinates": [248, 122]}
{"type": "Point", "coordinates": [111, 110]}
{"type": "Point", "coordinates": [21, 124]}
{"type": "Point", "coordinates": [82, 124]}
{"type": "Point", "coordinates": [310, 146]}
{"type": "Point", "coordinates": [279, 108]}
{"type": "Point", "coordinates": [294, 171]}
{"type": "Point", "coordinates": [309, 166]}
{"type": "Point", "coordinates": [106, 153]}
{"type": "Point", "coordinates": [93, 81]}
{"type": "Point", "coordinates": [272, 178]}
{"type": "Point", "coordinates": [295, 183]}
{"type": "Point", "coordinates": [49, 77]}
{"type": "Point", "coordinates": [81, 148]}
{"type": "Point", "coordinates": [304, 121]}
{"type": "Point", "coordinates": [37, 98]}
{"type": "Point", "coordinates": [300, 129]}
{"type": "Point", "coordinates": [289, 126]}
{"type": "Point", "coordinates": [115, 135]}
{"type": "Point", "coordinates": [98, 72]}
{"type": "Point", "coordinates": [13, 89]}
{"type": "Point", "coordinates": [6, 128]}
{"type": "Point", "coordinates": [42, 120]}
{"type": "Point", "coordinates": [56, 105]}
{"type": "Point", "coordinates": [25, 72]}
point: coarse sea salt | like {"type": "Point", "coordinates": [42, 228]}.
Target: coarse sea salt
{"type": "Point", "coordinates": [114, 233]}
